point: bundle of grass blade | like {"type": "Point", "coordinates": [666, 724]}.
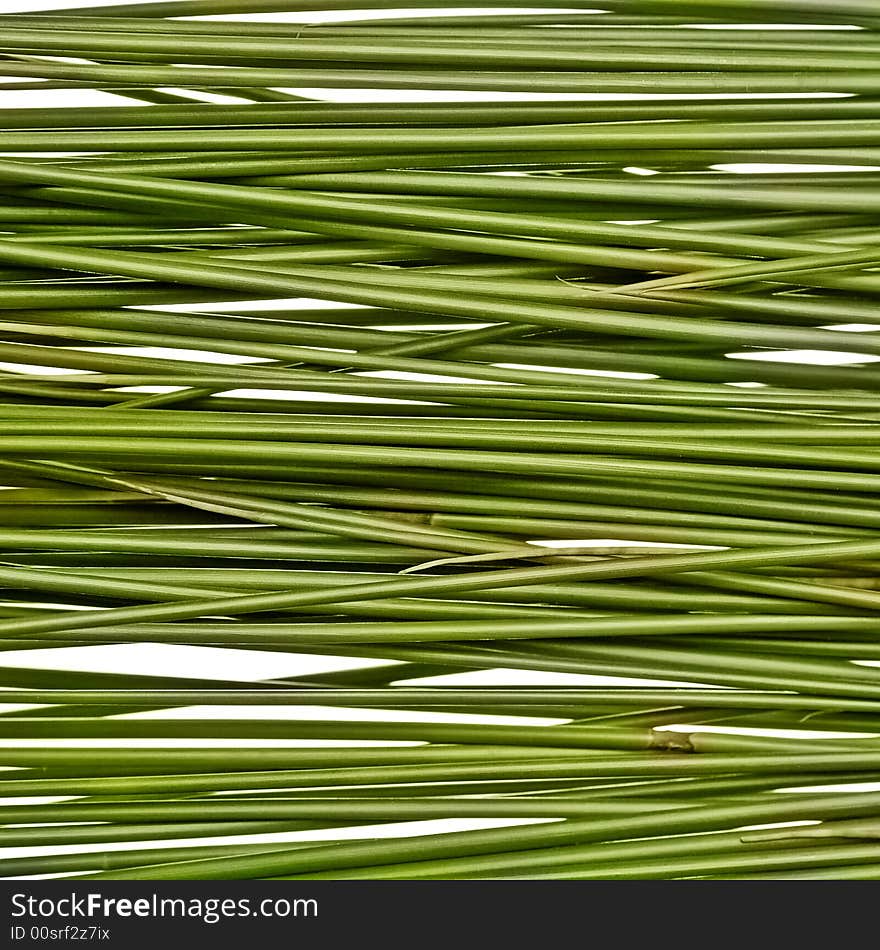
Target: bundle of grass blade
{"type": "Point", "coordinates": [375, 454]}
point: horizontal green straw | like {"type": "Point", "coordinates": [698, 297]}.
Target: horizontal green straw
{"type": "Point", "coordinates": [856, 8]}
{"type": "Point", "coordinates": [856, 81]}
{"type": "Point", "coordinates": [427, 113]}
{"type": "Point", "coordinates": [438, 53]}
{"type": "Point", "coordinates": [589, 769]}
